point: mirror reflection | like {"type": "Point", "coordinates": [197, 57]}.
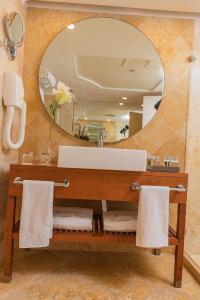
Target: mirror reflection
{"type": "Point", "coordinates": [114, 73]}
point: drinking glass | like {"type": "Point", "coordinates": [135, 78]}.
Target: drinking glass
{"type": "Point", "coordinates": [27, 158]}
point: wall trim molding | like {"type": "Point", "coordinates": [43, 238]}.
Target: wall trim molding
{"type": "Point", "coordinates": [110, 9]}
{"type": "Point", "coordinates": [192, 267]}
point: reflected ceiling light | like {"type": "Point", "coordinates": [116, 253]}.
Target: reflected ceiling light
{"type": "Point", "coordinates": [124, 98]}
{"type": "Point", "coordinates": [121, 103]}
{"type": "Point", "coordinates": [108, 120]}
{"type": "Point", "coordinates": [71, 26]}
{"type": "Point", "coordinates": [85, 118]}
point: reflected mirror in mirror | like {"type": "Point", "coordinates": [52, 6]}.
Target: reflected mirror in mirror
{"type": "Point", "coordinates": [115, 75]}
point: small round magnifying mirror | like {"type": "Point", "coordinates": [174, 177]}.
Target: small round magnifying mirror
{"type": "Point", "coordinates": [14, 30]}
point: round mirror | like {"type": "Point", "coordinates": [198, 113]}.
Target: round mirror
{"type": "Point", "coordinates": [111, 75]}
{"type": "Point", "coordinates": [14, 29]}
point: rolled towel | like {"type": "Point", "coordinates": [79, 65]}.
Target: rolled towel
{"type": "Point", "coordinates": [72, 218]}
{"type": "Point", "coordinates": [120, 221]}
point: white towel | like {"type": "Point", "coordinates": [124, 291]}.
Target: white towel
{"type": "Point", "coordinates": [153, 217]}
{"type": "Point", "coordinates": [72, 218]}
{"type": "Point", "coordinates": [36, 223]}
{"type": "Point", "coordinates": [120, 221]}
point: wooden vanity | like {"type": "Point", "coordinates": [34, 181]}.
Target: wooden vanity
{"type": "Point", "coordinates": [91, 184]}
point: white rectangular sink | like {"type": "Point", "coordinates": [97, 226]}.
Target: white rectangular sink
{"type": "Point", "coordinates": [102, 158]}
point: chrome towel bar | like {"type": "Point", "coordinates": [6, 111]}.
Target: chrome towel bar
{"type": "Point", "coordinates": [179, 188]}
{"type": "Point", "coordinates": [65, 183]}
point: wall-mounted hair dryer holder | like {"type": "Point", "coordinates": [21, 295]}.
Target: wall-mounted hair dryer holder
{"type": "Point", "coordinates": [13, 97]}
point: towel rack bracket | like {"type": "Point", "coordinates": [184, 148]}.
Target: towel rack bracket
{"type": "Point", "coordinates": [65, 183]}
{"type": "Point", "coordinates": [135, 186]}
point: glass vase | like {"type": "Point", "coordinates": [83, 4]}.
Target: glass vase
{"type": "Point", "coordinates": [45, 158]}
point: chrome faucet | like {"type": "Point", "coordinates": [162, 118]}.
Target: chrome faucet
{"type": "Point", "coordinates": [100, 140]}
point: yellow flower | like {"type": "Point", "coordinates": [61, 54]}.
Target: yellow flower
{"type": "Point", "coordinates": [62, 98]}
{"type": "Point", "coordinates": [62, 94]}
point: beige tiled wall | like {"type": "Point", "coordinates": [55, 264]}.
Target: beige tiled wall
{"type": "Point", "coordinates": [193, 147]}
{"type": "Point", "coordinates": [7, 157]}
{"type": "Point", "coordinates": [166, 132]}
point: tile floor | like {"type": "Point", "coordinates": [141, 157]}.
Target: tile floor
{"type": "Point", "coordinates": [50, 275]}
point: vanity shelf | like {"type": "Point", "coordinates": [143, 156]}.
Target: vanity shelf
{"type": "Point", "coordinates": [98, 235]}
{"type": "Point", "coordinates": [89, 184]}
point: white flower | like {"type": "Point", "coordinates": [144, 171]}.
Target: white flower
{"type": "Point", "coordinates": [62, 87]}
{"type": "Point", "coordinates": [62, 94]}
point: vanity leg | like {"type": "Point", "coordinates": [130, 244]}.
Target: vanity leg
{"type": "Point", "coordinates": [157, 251]}
{"type": "Point", "coordinates": [8, 241]}
{"type": "Point", "coordinates": [178, 268]}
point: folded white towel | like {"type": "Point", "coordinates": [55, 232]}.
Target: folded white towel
{"type": "Point", "coordinates": [72, 218]}
{"type": "Point", "coordinates": [120, 220]}
{"type": "Point", "coordinates": [36, 223]}
{"type": "Point", "coordinates": [153, 217]}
